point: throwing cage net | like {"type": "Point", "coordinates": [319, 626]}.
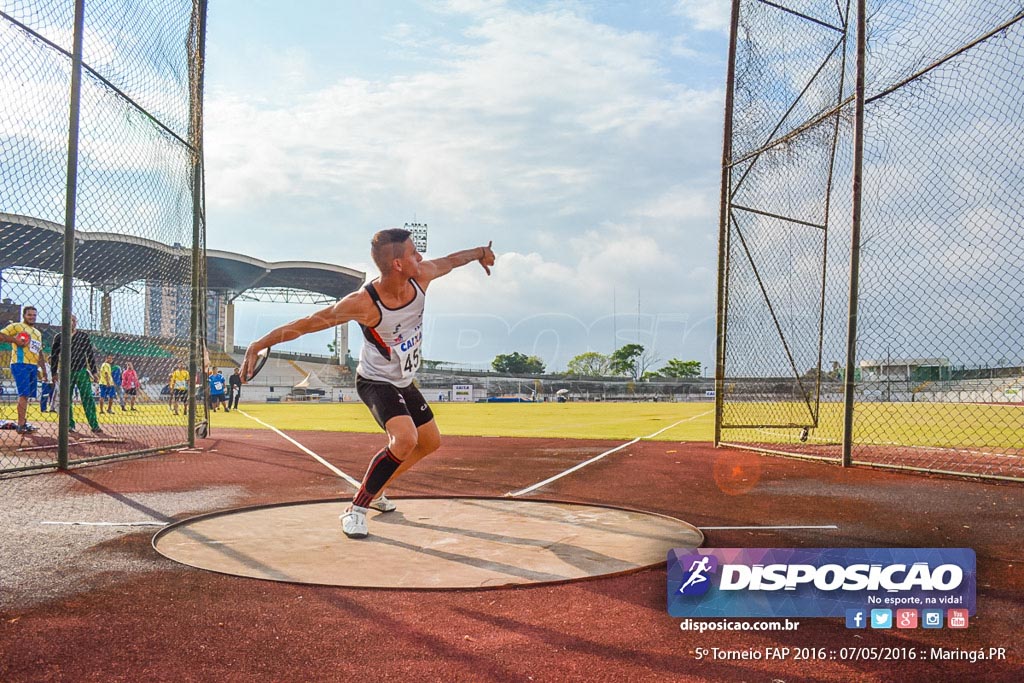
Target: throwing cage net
{"type": "Point", "coordinates": [101, 165]}
{"type": "Point", "coordinates": [869, 304]}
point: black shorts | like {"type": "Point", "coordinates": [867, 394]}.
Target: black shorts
{"type": "Point", "coordinates": [130, 392]}
{"type": "Point", "coordinates": [179, 394]}
{"type": "Point", "coordinates": [386, 401]}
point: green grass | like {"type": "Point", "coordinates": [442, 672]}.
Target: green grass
{"type": "Point", "coordinates": [944, 425]}
{"type": "Point", "coordinates": [155, 415]}
{"type": "Point", "coordinates": [615, 421]}
{"type": "Point", "coordinates": [941, 425]}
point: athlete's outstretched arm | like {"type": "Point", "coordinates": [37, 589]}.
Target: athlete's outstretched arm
{"type": "Point", "coordinates": [431, 270]}
{"type": "Point", "coordinates": [356, 306]}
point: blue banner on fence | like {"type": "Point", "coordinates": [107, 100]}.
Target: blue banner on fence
{"type": "Point", "coordinates": [817, 582]}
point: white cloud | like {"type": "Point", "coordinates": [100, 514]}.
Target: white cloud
{"type": "Point", "coordinates": [525, 114]}
{"type": "Point", "coordinates": [475, 7]}
{"type": "Point", "coordinates": [706, 15]}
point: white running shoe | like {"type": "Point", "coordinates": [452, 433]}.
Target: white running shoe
{"type": "Point", "coordinates": [382, 504]}
{"type": "Point", "coordinates": [353, 522]}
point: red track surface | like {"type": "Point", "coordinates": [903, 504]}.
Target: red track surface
{"type": "Point", "coordinates": [175, 623]}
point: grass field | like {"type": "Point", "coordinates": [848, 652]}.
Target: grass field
{"type": "Point", "coordinates": [544, 420]}
{"type": "Point", "coordinates": [942, 425]}
{"type": "Point", "coordinates": [549, 420]}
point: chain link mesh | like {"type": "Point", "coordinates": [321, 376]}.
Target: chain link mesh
{"type": "Point", "coordinates": [939, 366]}
{"type": "Point", "coordinates": [134, 217]}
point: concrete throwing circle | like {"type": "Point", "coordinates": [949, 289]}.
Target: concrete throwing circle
{"type": "Point", "coordinates": [428, 543]}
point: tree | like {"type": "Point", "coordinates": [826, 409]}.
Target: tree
{"type": "Point", "coordinates": [631, 360]}
{"type": "Point", "coordinates": [836, 373]}
{"type": "Point", "coordinates": [589, 364]}
{"type": "Point", "coordinates": [681, 368]}
{"type": "Point", "coordinates": [516, 363]}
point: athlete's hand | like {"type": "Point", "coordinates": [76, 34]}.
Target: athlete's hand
{"type": "Point", "coordinates": [487, 259]}
{"type": "Point", "coordinates": [249, 364]}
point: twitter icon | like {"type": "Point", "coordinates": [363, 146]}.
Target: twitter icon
{"type": "Point", "coordinates": [881, 618]}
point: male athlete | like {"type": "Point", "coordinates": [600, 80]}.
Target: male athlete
{"type": "Point", "coordinates": [108, 391]}
{"type": "Point", "coordinates": [178, 383]}
{"type": "Point", "coordinates": [390, 311]}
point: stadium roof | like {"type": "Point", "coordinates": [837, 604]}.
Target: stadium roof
{"type": "Point", "coordinates": [110, 260]}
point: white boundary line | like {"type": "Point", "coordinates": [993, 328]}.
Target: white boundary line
{"type": "Point", "coordinates": [107, 523]}
{"type": "Point", "coordinates": [355, 484]}
{"type": "Point", "coordinates": [528, 489]}
{"type": "Point", "coordinates": [726, 528]}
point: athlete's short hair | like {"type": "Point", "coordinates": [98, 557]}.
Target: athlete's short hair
{"type": "Point", "coordinates": [26, 309]}
{"type": "Point", "coordinates": [386, 246]}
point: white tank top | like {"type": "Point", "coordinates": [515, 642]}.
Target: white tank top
{"type": "Point", "coordinates": [391, 351]}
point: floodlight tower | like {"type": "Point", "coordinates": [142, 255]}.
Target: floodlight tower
{"type": "Point", "coordinates": [419, 235]}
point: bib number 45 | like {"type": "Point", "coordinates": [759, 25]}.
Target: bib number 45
{"type": "Point", "coordinates": [411, 361]}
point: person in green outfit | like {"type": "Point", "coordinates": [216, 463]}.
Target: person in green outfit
{"type": "Point", "coordinates": [83, 370]}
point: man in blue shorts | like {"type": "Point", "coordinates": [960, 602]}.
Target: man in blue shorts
{"type": "Point", "coordinates": [218, 391]}
{"type": "Point", "coordinates": [26, 356]}
{"type": "Point", "coordinates": [108, 391]}
{"type": "Point", "coordinates": [116, 373]}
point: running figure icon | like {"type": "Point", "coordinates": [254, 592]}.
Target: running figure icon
{"type": "Point", "coordinates": [697, 573]}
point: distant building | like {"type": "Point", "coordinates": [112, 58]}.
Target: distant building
{"type": "Point", "coordinates": [168, 313]}
{"type": "Point", "coordinates": [216, 319]}
{"type": "Point", "coordinates": [115, 264]}
{"type": "Point", "coordinates": [9, 312]}
{"type": "Point", "coordinates": [911, 369]}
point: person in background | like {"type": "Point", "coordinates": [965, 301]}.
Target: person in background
{"type": "Point", "coordinates": [55, 395]}
{"type": "Point", "coordinates": [130, 385]}
{"type": "Point", "coordinates": [235, 387]}
{"type": "Point", "coordinates": [26, 355]}
{"type": "Point", "coordinates": [178, 385]}
{"type": "Point", "coordinates": [83, 369]}
{"type": "Point", "coordinates": [46, 385]}
{"type": "Point", "coordinates": [218, 391]}
{"type": "Point", "coordinates": [117, 374]}
{"type": "Point", "coordinates": [106, 381]}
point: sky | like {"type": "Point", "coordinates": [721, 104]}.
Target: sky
{"type": "Point", "coordinates": [582, 138]}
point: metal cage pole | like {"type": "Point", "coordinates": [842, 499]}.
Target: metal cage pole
{"type": "Point", "coordinates": [858, 194]}
{"type": "Point", "coordinates": [196, 359]}
{"type": "Point", "coordinates": [71, 200]}
{"type": "Point", "coordinates": [723, 227]}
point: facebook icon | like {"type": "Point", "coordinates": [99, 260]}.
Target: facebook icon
{"type": "Point", "coordinates": [856, 618]}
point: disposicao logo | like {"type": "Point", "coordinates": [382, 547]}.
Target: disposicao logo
{"type": "Point", "coordinates": [697, 579]}
{"type": "Point", "coordinates": [817, 582]}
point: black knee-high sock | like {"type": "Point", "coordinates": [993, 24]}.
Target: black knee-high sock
{"type": "Point", "coordinates": [380, 470]}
